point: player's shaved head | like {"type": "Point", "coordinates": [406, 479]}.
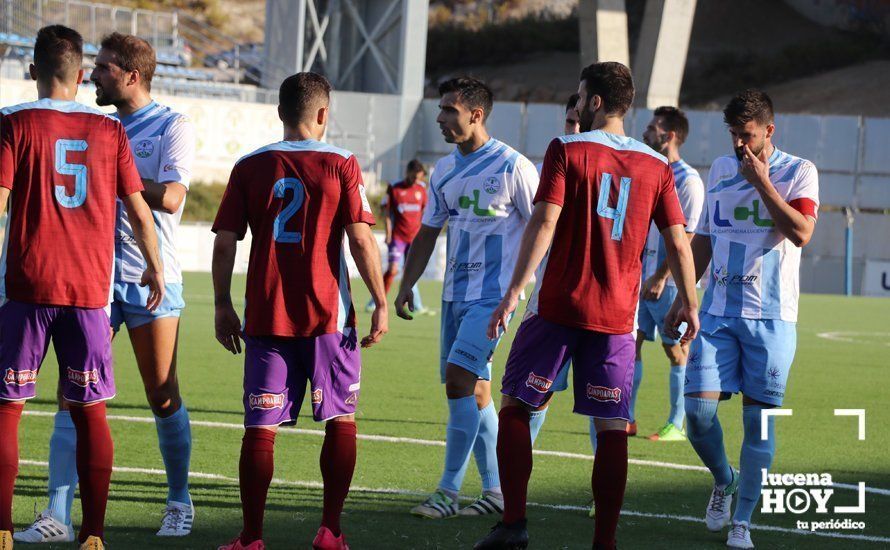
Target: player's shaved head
{"type": "Point", "coordinates": [301, 96]}
{"type": "Point", "coordinates": [58, 53]}
{"type": "Point", "coordinates": [750, 105]}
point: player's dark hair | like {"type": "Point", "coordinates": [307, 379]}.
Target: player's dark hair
{"type": "Point", "coordinates": [674, 120]}
{"type": "Point", "coordinates": [572, 102]}
{"type": "Point", "coordinates": [414, 167]}
{"type": "Point", "coordinates": [301, 95]}
{"type": "Point", "coordinates": [132, 54]}
{"type": "Point", "coordinates": [471, 92]}
{"type": "Point", "coordinates": [611, 81]}
{"type": "Point", "coordinates": [747, 106]}
{"type": "Point", "coordinates": [58, 53]}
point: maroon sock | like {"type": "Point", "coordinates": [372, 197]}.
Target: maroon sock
{"type": "Point", "coordinates": [95, 457]}
{"type": "Point", "coordinates": [514, 460]}
{"type": "Point", "coordinates": [255, 469]}
{"type": "Point", "coordinates": [337, 462]}
{"type": "Point", "coordinates": [608, 481]}
{"type": "Point", "coordinates": [10, 414]}
{"type": "Point", "coordinates": [388, 278]}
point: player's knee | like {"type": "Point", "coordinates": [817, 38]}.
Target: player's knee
{"type": "Point", "coordinates": [675, 354]}
{"type": "Point", "coordinates": [164, 400]}
{"type": "Point", "coordinates": [608, 424]}
{"type": "Point", "coordinates": [459, 382]}
{"type": "Point", "coordinates": [392, 270]}
{"type": "Point", "coordinates": [345, 418]}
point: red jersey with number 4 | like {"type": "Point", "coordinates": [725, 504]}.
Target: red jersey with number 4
{"type": "Point", "coordinates": [610, 188]}
{"type": "Point", "coordinates": [406, 203]}
{"type": "Point", "coordinates": [65, 165]}
{"type": "Point", "coordinates": [297, 197]}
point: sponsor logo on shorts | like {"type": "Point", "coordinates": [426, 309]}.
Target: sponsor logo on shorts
{"type": "Point", "coordinates": [773, 393]}
{"type": "Point", "coordinates": [265, 401]}
{"type": "Point", "coordinates": [466, 354]}
{"type": "Point", "coordinates": [317, 396]}
{"type": "Point", "coordinates": [83, 378]}
{"type": "Point", "coordinates": [352, 399]}
{"type": "Point", "coordinates": [20, 378]}
{"type": "Point", "coordinates": [603, 394]}
{"type": "Point", "coordinates": [355, 387]}
{"type": "Point", "coordinates": [538, 383]}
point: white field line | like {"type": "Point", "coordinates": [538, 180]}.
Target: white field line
{"type": "Point", "coordinates": [437, 443]}
{"type": "Point", "coordinates": [394, 491]}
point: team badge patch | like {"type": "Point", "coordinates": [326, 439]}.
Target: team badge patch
{"type": "Point", "coordinates": [603, 394]}
{"type": "Point", "coordinates": [144, 149]}
{"type": "Point", "coordinates": [492, 185]}
{"type": "Point", "coordinates": [538, 383]}
{"type": "Point", "coordinates": [317, 396]}
{"type": "Point", "coordinates": [20, 378]}
{"type": "Point", "coordinates": [83, 378]}
{"type": "Point", "coordinates": [266, 401]}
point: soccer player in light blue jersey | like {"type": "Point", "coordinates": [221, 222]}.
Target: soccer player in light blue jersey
{"type": "Point", "coordinates": [761, 209]}
{"type": "Point", "coordinates": [484, 191]}
{"type": "Point", "coordinates": [665, 133]}
{"type": "Point", "coordinates": [163, 145]}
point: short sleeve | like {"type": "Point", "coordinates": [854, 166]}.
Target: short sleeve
{"type": "Point", "coordinates": [7, 153]}
{"type": "Point", "coordinates": [804, 193]}
{"type": "Point", "coordinates": [525, 185]}
{"type": "Point", "coordinates": [552, 186]}
{"type": "Point", "coordinates": [354, 205]}
{"type": "Point", "coordinates": [128, 180]}
{"type": "Point", "coordinates": [177, 152]}
{"type": "Point", "coordinates": [667, 210]}
{"type": "Point", "coordinates": [436, 214]}
{"type": "Point", "coordinates": [692, 200]}
{"type": "Point", "coordinates": [232, 213]}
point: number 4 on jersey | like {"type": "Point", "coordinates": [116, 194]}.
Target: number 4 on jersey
{"type": "Point", "coordinates": [616, 214]}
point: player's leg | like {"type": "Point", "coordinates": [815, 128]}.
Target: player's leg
{"type": "Point", "coordinates": [537, 415]}
{"type": "Point", "coordinates": [672, 430]}
{"type": "Point", "coordinates": [647, 324]}
{"type": "Point", "coordinates": [395, 256]}
{"type": "Point", "coordinates": [10, 416]}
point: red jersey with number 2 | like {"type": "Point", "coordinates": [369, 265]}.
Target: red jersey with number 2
{"type": "Point", "coordinates": [610, 188]}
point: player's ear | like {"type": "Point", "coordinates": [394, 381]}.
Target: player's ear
{"type": "Point", "coordinates": [596, 103]}
{"type": "Point", "coordinates": [321, 117]}
{"type": "Point", "coordinates": [280, 114]}
{"type": "Point", "coordinates": [770, 130]}
{"type": "Point", "coordinates": [477, 116]}
{"type": "Point", "coordinates": [32, 70]}
{"type": "Point", "coordinates": [79, 76]}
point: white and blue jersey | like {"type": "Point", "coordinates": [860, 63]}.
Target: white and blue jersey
{"type": "Point", "coordinates": [691, 192]}
{"type": "Point", "coordinates": [755, 270]}
{"type": "Point", "coordinates": [163, 144]}
{"type": "Point", "coordinates": [486, 198]}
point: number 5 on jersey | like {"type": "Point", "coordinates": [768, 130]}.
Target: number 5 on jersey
{"type": "Point", "coordinates": [79, 171]}
{"type": "Point", "coordinates": [616, 214]}
{"type": "Point", "coordinates": [289, 210]}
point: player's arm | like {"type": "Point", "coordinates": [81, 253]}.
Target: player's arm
{"type": "Point", "coordinates": [228, 326]}
{"type": "Point", "coordinates": [164, 197]}
{"type": "Point", "coordinates": [4, 199]}
{"type": "Point", "coordinates": [387, 220]}
{"type": "Point", "coordinates": [143, 225]}
{"type": "Point", "coordinates": [363, 247]}
{"type": "Point", "coordinates": [536, 241]}
{"type": "Point", "coordinates": [654, 285]}
{"type": "Point", "coordinates": [682, 264]}
{"type": "Point", "coordinates": [794, 225]}
{"type": "Point", "coordinates": [177, 157]}
{"type": "Point", "coordinates": [700, 247]}
{"type": "Point", "coordinates": [415, 264]}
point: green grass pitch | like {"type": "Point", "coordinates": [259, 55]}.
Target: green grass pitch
{"type": "Point", "coordinates": [401, 397]}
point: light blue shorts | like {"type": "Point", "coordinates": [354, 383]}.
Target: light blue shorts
{"type": "Point", "coordinates": [751, 356]}
{"type": "Point", "coordinates": [464, 341]}
{"type": "Point", "coordinates": [128, 305]}
{"type": "Point", "coordinates": [650, 316]}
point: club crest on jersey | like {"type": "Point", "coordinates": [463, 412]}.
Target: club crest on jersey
{"type": "Point", "coordinates": [83, 378]}
{"type": "Point", "coordinates": [603, 394]}
{"type": "Point", "coordinates": [266, 401]}
{"type": "Point", "coordinates": [492, 185]}
{"type": "Point", "coordinates": [538, 383]}
{"type": "Point", "coordinates": [317, 396]}
{"type": "Point", "coordinates": [144, 149]}
{"type": "Point", "coordinates": [20, 378]}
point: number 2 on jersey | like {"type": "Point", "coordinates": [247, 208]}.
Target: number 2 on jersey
{"type": "Point", "coordinates": [289, 210]}
{"type": "Point", "coordinates": [79, 171]}
{"type": "Point", "coordinates": [616, 214]}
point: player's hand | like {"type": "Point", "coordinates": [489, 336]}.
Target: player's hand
{"type": "Point", "coordinates": [501, 316]}
{"type": "Point", "coordinates": [755, 168]}
{"type": "Point", "coordinates": [405, 303]}
{"type": "Point", "coordinates": [155, 283]}
{"type": "Point", "coordinates": [652, 288]}
{"type": "Point", "coordinates": [676, 316]}
{"type": "Point", "coordinates": [228, 328]}
{"type": "Point", "coordinates": [379, 326]}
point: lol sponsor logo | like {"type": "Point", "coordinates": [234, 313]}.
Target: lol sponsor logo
{"type": "Point", "coordinates": [265, 401]}
{"type": "Point", "coordinates": [603, 394]}
{"type": "Point", "coordinates": [20, 378]}
{"type": "Point", "coordinates": [538, 383]}
{"type": "Point", "coordinates": [83, 378]}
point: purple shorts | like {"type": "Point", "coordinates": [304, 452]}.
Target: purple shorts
{"type": "Point", "coordinates": [603, 368]}
{"type": "Point", "coordinates": [397, 251]}
{"type": "Point", "coordinates": [276, 371]}
{"type": "Point", "coordinates": [82, 341]}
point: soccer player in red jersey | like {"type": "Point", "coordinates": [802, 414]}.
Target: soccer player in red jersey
{"type": "Point", "coordinates": [64, 165]}
{"type": "Point", "coordinates": [599, 192]}
{"type": "Point", "coordinates": [298, 197]}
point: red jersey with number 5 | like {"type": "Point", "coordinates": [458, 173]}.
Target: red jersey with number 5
{"type": "Point", "coordinates": [610, 189]}
{"type": "Point", "coordinates": [296, 197]}
{"type": "Point", "coordinates": [65, 165]}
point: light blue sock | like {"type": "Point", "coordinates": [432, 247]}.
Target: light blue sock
{"type": "Point", "coordinates": [756, 455]}
{"type": "Point", "coordinates": [62, 467]}
{"type": "Point", "coordinates": [706, 435]}
{"type": "Point", "coordinates": [678, 408]}
{"type": "Point", "coordinates": [418, 303]}
{"type": "Point", "coordinates": [460, 438]}
{"type": "Point", "coordinates": [486, 448]}
{"type": "Point", "coordinates": [638, 378]}
{"type": "Point", "coordinates": [175, 441]}
{"type": "Point", "coordinates": [535, 421]}
{"type": "Point", "coordinates": [592, 436]}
